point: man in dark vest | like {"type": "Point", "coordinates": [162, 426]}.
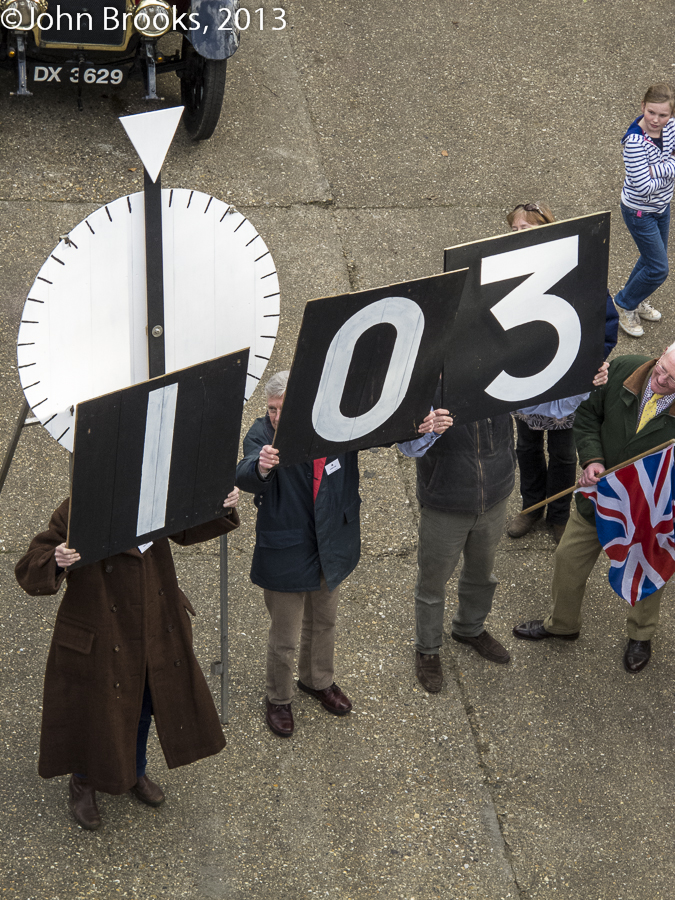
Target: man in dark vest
{"type": "Point", "coordinates": [308, 540]}
{"type": "Point", "coordinates": [465, 475]}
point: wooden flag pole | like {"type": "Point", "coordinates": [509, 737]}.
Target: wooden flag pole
{"type": "Point", "coordinates": [622, 465]}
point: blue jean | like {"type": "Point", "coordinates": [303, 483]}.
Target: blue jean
{"type": "Point", "coordinates": [143, 729]}
{"type": "Point", "coordinates": [650, 233]}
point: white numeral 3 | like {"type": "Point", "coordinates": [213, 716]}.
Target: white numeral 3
{"type": "Point", "coordinates": [546, 264]}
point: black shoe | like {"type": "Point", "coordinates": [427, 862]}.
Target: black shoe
{"type": "Point", "coordinates": [535, 631]}
{"type": "Point", "coordinates": [429, 671]}
{"type": "Point", "coordinates": [486, 645]}
{"type": "Point", "coordinates": [636, 655]}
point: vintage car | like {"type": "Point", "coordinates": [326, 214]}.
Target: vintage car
{"type": "Point", "coordinates": [105, 42]}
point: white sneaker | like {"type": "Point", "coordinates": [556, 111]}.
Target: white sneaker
{"type": "Point", "coordinates": [629, 320]}
{"type": "Point", "coordinates": [647, 312]}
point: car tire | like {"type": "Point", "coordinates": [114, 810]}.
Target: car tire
{"type": "Point", "coordinates": [202, 89]}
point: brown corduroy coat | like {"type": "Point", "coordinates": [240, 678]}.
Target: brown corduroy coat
{"type": "Point", "coordinates": [120, 619]}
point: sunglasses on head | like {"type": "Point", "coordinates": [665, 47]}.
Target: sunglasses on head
{"type": "Point", "coordinates": [530, 207]}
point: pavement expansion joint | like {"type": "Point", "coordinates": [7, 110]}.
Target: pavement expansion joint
{"type": "Point", "coordinates": [244, 205]}
{"type": "Point", "coordinates": [87, 202]}
{"type": "Point", "coordinates": [501, 845]}
{"type": "Point", "coordinates": [352, 273]}
{"type": "Point", "coordinates": [384, 207]}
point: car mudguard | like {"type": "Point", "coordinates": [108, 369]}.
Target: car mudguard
{"type": "Point", "coordinates": [212, 39]}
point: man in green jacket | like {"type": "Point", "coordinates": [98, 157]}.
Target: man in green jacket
{"type": "Point", "coordinates": [631, 414]}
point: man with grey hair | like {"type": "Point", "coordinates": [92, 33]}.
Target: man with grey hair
{"type": "Point", "coordinates": [307, 542]}
{"type": "Point", "coordinates": [631, 414]}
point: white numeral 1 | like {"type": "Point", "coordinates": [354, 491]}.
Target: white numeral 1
{"type": "Point", "coordinates": [546, 264]}
{"type": "Point", "coordinates": [159, 424]}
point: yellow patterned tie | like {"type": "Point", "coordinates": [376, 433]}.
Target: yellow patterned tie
{"type": "Point", "coordinates": [649, 411]}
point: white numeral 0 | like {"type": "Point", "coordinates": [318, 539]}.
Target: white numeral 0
{"type": "Point", "coordinates": [546, 264]}
{"type": "Point", "coordinates": [408, 320]}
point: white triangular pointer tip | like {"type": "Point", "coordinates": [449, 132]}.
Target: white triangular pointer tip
{"type": "Point", "coordinates": [151, 134]}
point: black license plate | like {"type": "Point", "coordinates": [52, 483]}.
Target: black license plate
{"type": "Point", "coordinates": [105, 74]}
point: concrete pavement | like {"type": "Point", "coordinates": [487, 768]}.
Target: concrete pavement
{"type": "Point", "coordinates": [361, 141]}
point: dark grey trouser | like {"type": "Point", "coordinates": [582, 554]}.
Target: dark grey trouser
{"type": "Point", "coordinates": [310, 616]}
{"type": "Point", "coordinates": [442, 538]}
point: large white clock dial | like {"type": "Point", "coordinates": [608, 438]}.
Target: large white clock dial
{"type": "Point", "coordinates": [83, 327]}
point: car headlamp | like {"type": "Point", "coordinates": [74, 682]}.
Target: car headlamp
{"type": "Point", "coordinates": [152, 18]}
{"type": "Point", "coordinates": [21, 14]}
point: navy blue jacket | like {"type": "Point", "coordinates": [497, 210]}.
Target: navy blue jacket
{"type": "Point", "coordinates": [297, 539]}
{"type": "Point", "coordinates": [611, 325]}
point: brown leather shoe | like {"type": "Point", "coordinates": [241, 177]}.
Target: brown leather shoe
{"type": "Point", "coordinates": [523, 524]}
{"type": "Point", "coordinates": [331, 698]}
{"type": "Point", "coordinates": [279, 718]}
{"type": "Point", "coordinates": [82, 803]}
{"type": "Point", "coordinates": [486, 645]}
{"type": "Point", "coordinates": [148, 792]}
{"type": "Point", "coordinates": [429, 671]}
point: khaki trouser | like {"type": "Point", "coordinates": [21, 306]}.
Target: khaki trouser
{"type": "Point", "coordinates": [574, 560]}
{"type": "Point", "coordinates": [311, 616]}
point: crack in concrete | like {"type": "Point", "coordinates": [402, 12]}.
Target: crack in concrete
{"type": "Point", "coordinates": [330, 198]}
{"type": "Point", "coordinates": [327, 203]}
{"type": "Point", "coordinates": [490, 814]}
{"type": "Point", "coordinates": [350, 265]}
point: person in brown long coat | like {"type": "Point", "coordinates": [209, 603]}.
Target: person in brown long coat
{"type": "Point", "coordinates": [121, 652]}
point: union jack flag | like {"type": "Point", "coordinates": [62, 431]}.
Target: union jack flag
{"type": "Point", "coordinates": [634, 518]}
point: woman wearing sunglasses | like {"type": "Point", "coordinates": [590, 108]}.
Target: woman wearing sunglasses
{"type": "Point", "coordinates": [555, 419]}
{"type": "Point", "coordinates": [648, 148]}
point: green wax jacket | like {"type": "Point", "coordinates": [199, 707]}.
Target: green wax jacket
{"type": "Point", "coordinates": [605, 426]}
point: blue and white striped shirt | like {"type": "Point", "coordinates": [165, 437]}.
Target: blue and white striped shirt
{"type": "Point", "coordinates": [650, 192]}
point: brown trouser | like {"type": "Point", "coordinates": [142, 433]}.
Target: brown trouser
{"type": "Point", "coordinates": [311, 616]}
{"type": "Point", "coordinates": [574, 560]}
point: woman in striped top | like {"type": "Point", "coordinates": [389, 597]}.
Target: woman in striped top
{"type": "Point", "coordinates": [648, 148]}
